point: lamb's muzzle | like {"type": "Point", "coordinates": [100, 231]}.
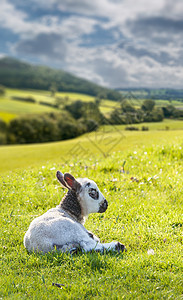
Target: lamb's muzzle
{"type": "Point", "coordinates": [103, 206]}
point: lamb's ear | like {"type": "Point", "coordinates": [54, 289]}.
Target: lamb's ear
{"type": "Point", "coordinates": [72, 182]}
{"type": "Point", "coordinates": [60, 178]}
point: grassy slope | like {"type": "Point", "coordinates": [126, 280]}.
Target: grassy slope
{"type": "Point", "coordinates": [146, 216]}
{"type": "Point", "coordinates": [9, 108]}
{"type": "Point", "coordinates": [19, 107]}
{"type": "Point", "coordinates": [103, 142]}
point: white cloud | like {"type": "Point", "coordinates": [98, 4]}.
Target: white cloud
{"type": "Point", "coordinates": [148, 35]}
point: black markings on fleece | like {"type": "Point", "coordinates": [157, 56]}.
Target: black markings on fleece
{"type": "Point", "coordinates": [71, 205]}
{"type": "Point", "coordinates": [91, 235]}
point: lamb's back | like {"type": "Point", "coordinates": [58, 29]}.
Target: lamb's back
{"type": "Point", "coordinates": [53, 227]}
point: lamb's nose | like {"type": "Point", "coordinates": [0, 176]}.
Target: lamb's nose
{"type": "Point", "coordinates": [105, 203]}
{"type": "Point", "coordinates": [103, 206]}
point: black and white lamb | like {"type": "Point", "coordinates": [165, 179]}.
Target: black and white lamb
{"type": "Point", "coordinates": [61, 228]}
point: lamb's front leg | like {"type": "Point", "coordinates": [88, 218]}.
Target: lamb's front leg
{"type": "Point", "coordinates": [91, 244]}
{"type": "Point", "coordinates": [116, 246]}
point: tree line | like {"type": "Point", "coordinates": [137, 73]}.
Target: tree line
{"type": "Point", "coordinates": [78, 118]}
{"type": "Point", "coordinates": [148, 112]}
{"type": "Point", "coordinates": [47, 127]}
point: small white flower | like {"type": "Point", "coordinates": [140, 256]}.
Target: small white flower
{"type": "Point", "coordinates": [150, 252]}
{"type": "Point", "coordinates": [51, 169]}
{"type": "Point", "coordinates": [145, 153]}
{"type": "Point", "coordinates": [115, 179]}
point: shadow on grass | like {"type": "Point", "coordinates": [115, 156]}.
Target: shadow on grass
{"type": "Point", "coordinates": [94, 260]}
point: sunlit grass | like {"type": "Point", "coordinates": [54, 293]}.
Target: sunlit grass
{"type": "Point", "coordinates": [102, 142]}
{"type": "Point", "coordinates": [7, 116]}
{"type": "Point", "coordinates": [20, 107]}
{"type": "Point", "coordinates": [145, 214]}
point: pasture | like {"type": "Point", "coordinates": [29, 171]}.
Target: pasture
{"type": "Point", "coordinates": [102, 142]}
{"type": "Point", "coordinates": [145, 213]}
{"type": "Point", "coordinates": [10, 108]}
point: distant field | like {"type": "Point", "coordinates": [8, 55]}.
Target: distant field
{"type": "Point", "coordinates": [15, 107]}
{"type": "Point", "coordinates": [10, 108]}
{"type": "Point", "coordinates": [166, 124]}
{"type": "Point", "coordinates": [46, 95]}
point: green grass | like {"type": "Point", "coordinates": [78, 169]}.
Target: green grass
{"type": "Point", "coordinates": [10, 108]}
{"type": "Point", "coordinates": [6, 116]}
{"type": "Point", "coordinates": [19, 107]}
{"type": "Point", "coordinates": [103, 142]}
{"type": "Point", "coordinates": [166, 124]}
{"type": "Point", "coordinates": [146, 216]}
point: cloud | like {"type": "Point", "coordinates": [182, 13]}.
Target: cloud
{"type": "Point", "coordinates": [44, 45]}
{"type": "Point", "coordinates": [154, 27]}
{"type": "Point", "coordinates": [114, 43]}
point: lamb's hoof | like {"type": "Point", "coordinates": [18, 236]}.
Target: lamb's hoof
{"type": "Point", "coordinates": [120, 247]}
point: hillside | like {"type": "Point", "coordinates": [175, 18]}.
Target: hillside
{"type": "Point", "coordinates": [18, 74]}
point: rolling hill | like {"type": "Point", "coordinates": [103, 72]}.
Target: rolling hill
{"type": "Point", "coordinates": [17, 74]}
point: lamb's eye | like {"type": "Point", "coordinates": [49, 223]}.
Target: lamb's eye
{"type": "Point", "coordinates": [93, 193]}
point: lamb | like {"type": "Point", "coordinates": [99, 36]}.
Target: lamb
{"type": "Point", "coordinates": [61, 228]}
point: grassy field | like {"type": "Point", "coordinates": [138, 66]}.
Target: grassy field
{"type": "Point", "coordinates": [103, 142]}
{"type": "Point", "coordinates": [10, 108]}
{"type": "Point", "coordinates": [145, 214]}
{"type": "Point", "coordinates": [18, 107]}
{"type": "Point", "coordinates": [145, 211]}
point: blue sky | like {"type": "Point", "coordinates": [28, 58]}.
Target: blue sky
{"type": "Point", "coordinates": [115, 43]}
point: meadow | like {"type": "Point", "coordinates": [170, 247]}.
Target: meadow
{"type": "Point", "coordinates": [140, 174]}
{"type": "Point", "coordinates": [102, 142]}
{"type": "Point", "coordinates": [10, 108]}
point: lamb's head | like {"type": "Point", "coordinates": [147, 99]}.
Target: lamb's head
{"type": "Point", "coordinates": [88, 194]}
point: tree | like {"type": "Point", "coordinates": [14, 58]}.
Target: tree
{"type": "Point", "coordinates": [53, 89]}
{"type": "Point", "coordinates": [169, 111]}
{"type": "Point", "coordinates": [148, 105]}
{"type": "Point", "coordinates": [127, 107]}
{"type": "Point", "coordinates": [2, 90]}
{"type": "Point", "coordinates": [101, 95]}
{"type": "Point", "coordinates": [98, 101]}
{"type": "Point", "coordinates": [76, 109]}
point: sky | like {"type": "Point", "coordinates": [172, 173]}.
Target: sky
{"type": "Point", "coordinates": [114, 43]}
